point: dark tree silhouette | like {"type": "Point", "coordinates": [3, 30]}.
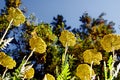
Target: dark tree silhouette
{"type": "Point", "coordinates": [59, 24]}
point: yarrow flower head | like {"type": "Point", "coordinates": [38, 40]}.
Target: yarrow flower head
{"type": "Point", "coordinates": [110, 42]}
{"type": "Point", "coordinates": [67, 38]}
{"type": "Point", "coordinates": [17, 16]}
{"type": "Point", "coordinates": [49, 77]}
{"type": "Point", "coordinates": [92, 55]}
{"type": "Point", "coordinates": [83, 72]}
{"type": "Point", "coordinates": [28, 72]}
{"type": "Point", "coordinates": [7, 61]}
{"type": "Point", "coordinates": [37, 43]}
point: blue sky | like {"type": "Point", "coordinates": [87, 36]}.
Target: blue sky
{"type": "Point", "coordinates": [72, 9]}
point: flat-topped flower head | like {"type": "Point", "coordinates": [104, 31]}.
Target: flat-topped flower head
{"type": "Point", "coordinates": [17, 16]}
{"type": "Point", "coordinates": [110, 42]}
{"type": "Point", "coordinates": [49, 77]}
{"type": "Point", "coordinates": [92, 55]}
{"type": "Point", "coordinates": [67, 38]}
{"type": "Point", "coordinates": [7, 61]}
{"type": "Point", "coordinates": [28, 74]}
{"type": "Point", "coordinates": [83, 71]}
{"type": "Point", "coordinates": [37, 43]}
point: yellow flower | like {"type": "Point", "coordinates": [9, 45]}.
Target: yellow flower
{"type": "Point", "coordinates": [17, 16]}
{"type": "Point", "coordinates": [67, 38]}
{"type": "Point", "coordinates": [49, 77]}
{"type": "Point", "coordinates": [92, 55]}
{"type": "Point", "coordinates": [7, 61]}
{"type": "Point", "coordinates": [28, 74]}
{"type": "Point", "coordinates": [83, 72]}
{"type": "Point", "coordinates": [2, 55]}
{"type": "Point", "coordinates": [110, 42]}
{"type": "Point", "coordinates": [37, 43]}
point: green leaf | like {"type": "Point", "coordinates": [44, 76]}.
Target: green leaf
{"type": "Point", "coordinates": [65, 74]}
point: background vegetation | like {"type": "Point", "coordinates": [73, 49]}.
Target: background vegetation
{"type": "Point", "coordinates": [56, 51]}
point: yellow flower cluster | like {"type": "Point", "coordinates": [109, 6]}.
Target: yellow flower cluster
{"type": "Point", "coordinates": [49, 77]}
{"type": "Point", "coordinates": [83, 72]}
{"type": "Point", "coordinates": [28, 74]}
{"type": "Point", "coordinates": [92, 55]}
{"type": "Point", "coordinates": [67, 38]}
{"type": "Point", "coordinates": [37, 43]}
{"type": "Point", "coordinates": [110, 42]}
{"type": "Point", "coordinates": [17, 16]}
{"type": "Point", "coordinates": [7, 61]}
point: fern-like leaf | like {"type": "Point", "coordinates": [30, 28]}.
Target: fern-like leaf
{"type": "Point", "coordinates": [65, 74]}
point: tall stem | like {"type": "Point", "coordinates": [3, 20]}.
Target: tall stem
{"type": "Point", "coordinates": [23, 66]}
{"type": "Point", "coordinates": [105, 70]}
{"type": "Point", "coordinates": [6, 31]}
{"type": "Point", "coordinates": [66, 48]}
{"type": "Point", "coordinates": [64, 55]}
{"type": "Point", "coordinates": [29, 56]}
{"type": "Point", "coordinates": [113, 61]}
{"type": "Point", "coordinates": [91, 70]}
{"type": "Point", "coordinates": [4, 73]}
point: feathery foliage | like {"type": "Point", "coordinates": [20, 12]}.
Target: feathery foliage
{"type": "Point", "coordinates": [65, 74]}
